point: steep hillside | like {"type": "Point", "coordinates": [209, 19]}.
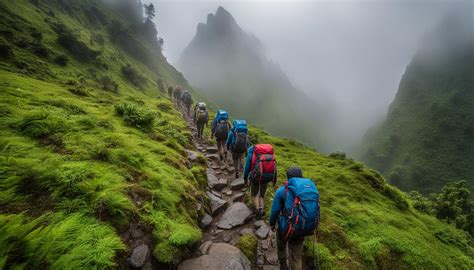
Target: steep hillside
{"type": "Point", "coordinates": [427, 138]}
{"type": "Point", "coordinates": [95, 171]}
{"type": "Point", "coordinates": [91, 152]}
{"type": "Point", "coordinates": [229, 66]}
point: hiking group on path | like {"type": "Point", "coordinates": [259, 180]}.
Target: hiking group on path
{"type": "Point", "coordinates": [295, 209]}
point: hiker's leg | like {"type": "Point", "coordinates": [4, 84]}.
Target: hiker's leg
{"type": "Point", "coordinates": [263, 190]}
{"type": "Point", "coordinates": [281, 249]}
{"type": "Point", "coordinates": [296, 253]}
{"type": "Point", "coordinates": [219, 148]}
{"type": "Point", "coordinates": [254, 193]}
{"type": "Point", "coordinates": [235, 160]}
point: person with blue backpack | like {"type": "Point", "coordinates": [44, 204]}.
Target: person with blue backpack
{"type": "Point", "coordinates": [237, 143]}
{"type": "Point", "coordinates": [220, 129]}
{"type": "Point", "coordinates": [296, 207]}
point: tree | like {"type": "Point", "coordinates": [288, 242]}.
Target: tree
{"type": "Point", "coordinates": [150, 11]}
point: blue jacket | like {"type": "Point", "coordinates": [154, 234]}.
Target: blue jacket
{"type": "Point", "coordinates": [248, 162]}
{"type": "Point", "coordinates": [278, 205]}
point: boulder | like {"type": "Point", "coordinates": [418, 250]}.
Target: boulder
{"type": "Point", "coordinates": [217, 204]}
{"type": "Point", "coordinates": [259, 223]}
{"type": "Point", "coordinates": [206, 220]}
{"type": "Point", "coordinates": [236, 215]}
{"type": "Point", "coordinates": [219, 256]}
{"type": "Point", "coordinates": [139, 256]}
{"type": "Point", "coordinates": [237, 184]}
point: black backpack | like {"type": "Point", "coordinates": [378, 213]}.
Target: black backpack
{"type": "Point", "coordinates": [201, 116]}
{"type": "Point", "coordinates": [187, 98]}
{"type": "Point", "coordinates": [222, 130]}
{"type": "Point", "coordinates": [240, 143]}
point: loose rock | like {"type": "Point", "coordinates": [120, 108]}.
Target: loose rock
{"type": "Point", "coordinates": [237, 214]}
{"type": "Point", "coordinates": [262, 232]}
{"type": "Point", "coordinates": [206, 220]}
{"type": "Point", "coordinates": [139, 256]}
{"type": "Point", "coordinates": [217, 204]}
{"type": "Point", "coordinates": [245, 231]}
{"type": "Point", "coordinates": [192, 156]}
{"type": "Point", "coordinates": [238, 197]}
{"type": "Point", "coordinates": [220, 256]}
{"type": "Point", "coordinates": [205, 247]}
{"type": "Point", "coordinates": [237, 184]}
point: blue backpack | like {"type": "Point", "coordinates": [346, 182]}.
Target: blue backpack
{"type": "Point", "coordinates": [239, 126]}
{"type": "Point", "coordinates": [221, 115]}
{"type": "Point", "coordinates": [301, 207]}
{"type": "Point", "coordinates": [240, 144]}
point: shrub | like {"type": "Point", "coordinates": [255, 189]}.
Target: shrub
{"type": "Point", "coordinates": [41, 125]}
{"type": "Point", "coordinates": [108, 84]}
{"type": "Point", "coordinates": [5, 48]}
{"type": "Point", "coordinates": [73, 45]}
{"type": "Point", "coordinates": [420, 203]}
{"type": "Point", "coordinates": [133, 115]}
{"type": "Point", "coordinates": [79, 92]}
{"type": "Point", "coordinates": [61, 60]}
{"type": "Point", "coordinates": [133, 76]}
{"type": "Point", "coordinates": [338, 155]}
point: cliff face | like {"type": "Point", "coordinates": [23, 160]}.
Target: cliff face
{"type": "Point", "coordinates": [231, 69]}
{"type": "Point", "coordinates": [427, 138]}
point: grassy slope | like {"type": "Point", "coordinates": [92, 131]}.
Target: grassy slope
{"type": "Point", "coordinates": [69, 167]}
{"type": "Point", "coordinates": [365, 222]}
{"type": "Point", "coordinates": [427, 139]}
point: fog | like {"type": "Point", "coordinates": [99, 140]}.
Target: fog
{"type": "Point", "coordinates": [349, 54]}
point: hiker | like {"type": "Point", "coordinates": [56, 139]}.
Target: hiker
{"type": "Point", "coordinates": [170, 92]}
{"type": "Point", "coordinates": [177, 95]}
{"type": "Point", "coordinates": [237, 143]}
{"type": "Point", "coordinates": [260, 169]}
{"type": "Point", "coordinates": [220, 129]}
{"type": "Point", "coordinates": [296, 206]}
{"type": "Point", "coordinates": [187, 102]}
{"type": "Point", "coordinates": [201, 117]}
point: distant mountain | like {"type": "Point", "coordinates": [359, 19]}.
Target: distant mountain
{"type": "Point", "coordinates": [427, 138]}
{"type": "Point", "coordinates": [230, 68]}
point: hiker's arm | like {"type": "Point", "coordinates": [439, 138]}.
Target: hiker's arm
{"type": "Point", "coordinates": [230, 138]}
{"type": "Point", "coordinates": [276, 205]}
{"type": "Point", "coordinates": [247, 164]}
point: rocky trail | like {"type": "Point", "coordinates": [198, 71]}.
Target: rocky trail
{"type": "Point", "coordinates": [229, 219]}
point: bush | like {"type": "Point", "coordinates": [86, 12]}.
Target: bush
{"type": "Point", "coordinates": [133, 115]}
{"type": "Point", "coordinates": [5, 48]}
{"type": "Point", "coordinates": [133, 76]}
{"type": "Point", "coordinates": [73, 45]}
{"type": "Point", "coordinates": [61, 60]}
{"type": "Point", "coordinates": [338, 155]}
{"type": "Point", "coordinates": [79, 92]}
{"type": "Point", "coordinates": [108, 84]}
{"type": "Point", "coordinates": [41, 125]}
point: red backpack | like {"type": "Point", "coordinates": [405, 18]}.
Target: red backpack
{"type": "Point", "coordinates": [263, 164]}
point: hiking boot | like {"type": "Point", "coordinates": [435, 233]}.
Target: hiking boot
{"type": "Point", "coordinates": [259, 214]}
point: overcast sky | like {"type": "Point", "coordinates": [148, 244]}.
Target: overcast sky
{"type": "Point", "coordinates": [352, 53]}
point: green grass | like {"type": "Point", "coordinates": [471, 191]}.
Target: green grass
{"type": "Point", "coordinates": [78, 143]}
{"type": "Point", "coordinates": [367, 223]}
{"type": "Point", "coordinates": [248, 245]}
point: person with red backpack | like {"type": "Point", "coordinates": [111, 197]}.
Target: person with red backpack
{"type": "Point", "coordinates": [260, 169]}
{"type": "Point", "coordinates": [237, 143]}
{"type": "Point", "coordinates": [296, 206]}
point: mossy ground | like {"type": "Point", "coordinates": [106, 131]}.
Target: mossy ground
{"type": "Point", "coordinates": [72, 165]}
{"type": "Point", "coordinates": [248, 245]}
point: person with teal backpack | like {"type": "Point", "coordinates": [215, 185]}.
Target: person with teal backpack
{"type": "Point", "coordinates": [237, 143]}
{"type": "Point", "coordinates": [220, 128]}
{"type": "Point", "coordinates": [296, 206]}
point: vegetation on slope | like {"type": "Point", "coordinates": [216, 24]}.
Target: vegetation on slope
{"type": "Point", "coordinates": [427, 138]}
{"type": "Point", "coordinates": [367, 223]}
{"type": "Point", "coordinates": [88, 144]}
